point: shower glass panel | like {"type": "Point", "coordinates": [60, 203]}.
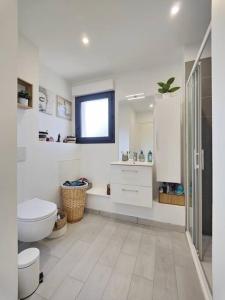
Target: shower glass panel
{"type": "Point", "coordinates": [193, 157]}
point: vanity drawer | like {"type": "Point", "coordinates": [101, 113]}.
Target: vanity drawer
{"type": "Point", "coordinates": [133, 175]}
{"type": "Point", "coordinates": [132, 195]}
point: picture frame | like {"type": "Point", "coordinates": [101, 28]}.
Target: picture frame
{"type": "Point", "coordinates": [63, 108]}
{"type": "Point", "coordinates": [46, 100]}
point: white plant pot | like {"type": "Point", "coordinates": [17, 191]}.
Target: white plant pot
{"type": "Point", "coordinates": [23, 101]}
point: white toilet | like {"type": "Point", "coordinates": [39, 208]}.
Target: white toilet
{"type": "Point", "coordinates": [35, 219]}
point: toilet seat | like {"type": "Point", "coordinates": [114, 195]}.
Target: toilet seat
{"type": "Point", "coordinates": [35, 210]}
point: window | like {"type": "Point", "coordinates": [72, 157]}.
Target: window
{"type": "Point", "coordinates": [95, 118]}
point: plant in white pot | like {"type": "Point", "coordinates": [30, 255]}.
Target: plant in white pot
{"type": "Point", "coordinates": [23, 98]}
{"type": "Point", "coordinates": [165, 87]}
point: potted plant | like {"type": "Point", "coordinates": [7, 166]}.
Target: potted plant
{"type": "Point", "coordinates": [165, 87]}
{"type": "Point", "coordinates": [23, 97]}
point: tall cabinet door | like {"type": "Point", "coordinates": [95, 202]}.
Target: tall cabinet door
{"type": "Point", "coordinates": [167, 126]}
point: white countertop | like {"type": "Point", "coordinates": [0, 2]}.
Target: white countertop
{"type": "Point", "coordinates": [132, 163]}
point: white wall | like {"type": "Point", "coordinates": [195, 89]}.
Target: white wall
{"type": "Point", "coordinates": [218, 106]}
{"type": "Point", "coordinates": [96, 158]}
{"type": "Point", "coordinates": [59, 86]}
{"type": "Point", "coordinates": [47, 164]}
{"type": "Point", "coordinates": [8, 87]}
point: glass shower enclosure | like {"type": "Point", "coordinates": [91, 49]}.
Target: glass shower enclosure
{"type": "Point", "coordinates": [199, 152]}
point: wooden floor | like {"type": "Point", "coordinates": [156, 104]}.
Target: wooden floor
{"type": "Point", "coordinates": [100, 258]}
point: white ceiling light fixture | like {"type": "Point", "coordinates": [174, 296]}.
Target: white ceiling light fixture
{"type": "Point", "coordinates": [151, 105]}
{"type": "Point", "coordinates": [85, 40]}
{"type": "Point", "coordinates": [135, 96]}
{"type": "Point", "coordinates": [175, 9]}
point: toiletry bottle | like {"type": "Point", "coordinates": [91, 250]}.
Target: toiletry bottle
{"type": "Point", "coordinates": [141, 156]}
{"type": "Point", "coordinates": [150, 156]}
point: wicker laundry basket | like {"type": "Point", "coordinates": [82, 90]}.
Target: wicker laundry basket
{"type": "Point", "coordinates": [73, 198]}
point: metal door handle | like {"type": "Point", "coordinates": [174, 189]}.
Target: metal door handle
{"type": "Point", "coordinates": [131, 171]}
{"type": "Point", "coordinates": [127, 190]}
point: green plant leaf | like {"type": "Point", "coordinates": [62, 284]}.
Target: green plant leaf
{"type": "Point", "coordinates": [170, 80]}
{"type": "Point", "coordinates": [174, 89]}
{"type": "Point", "coordinates": [161, 84]}
{"type": "Point", "coordinates": [161, 91]}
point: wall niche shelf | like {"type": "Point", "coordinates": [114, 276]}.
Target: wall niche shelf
{"type": "Point", "coordinates": [24, 86]}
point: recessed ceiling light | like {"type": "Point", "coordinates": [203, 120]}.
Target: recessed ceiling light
{"type": "Point", "coordinates": [151, 105]}
{"type": "Point", "coordinates": [85, 40]}
{"type": "Point", "coordinates": [175, 9]}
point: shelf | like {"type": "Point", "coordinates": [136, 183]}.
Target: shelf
{"type": "Point", "coordinates": [25, 86]}
{"type": "Point", "coordinates": [98, 191]}
{"type": "Point", "coordinates": [22, 106]}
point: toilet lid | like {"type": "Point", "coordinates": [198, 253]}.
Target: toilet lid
{"type": "Point", "coordinates": [27, 257]}
{"type": "Point", "coordinates": [35, 209]}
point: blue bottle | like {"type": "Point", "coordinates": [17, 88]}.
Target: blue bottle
{"type": "Point", "coordinates": [150, 156]}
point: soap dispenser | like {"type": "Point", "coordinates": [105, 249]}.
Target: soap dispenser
{"type": "Point", "coordinates": [150, 156]}
{"type": "Point", "coordinates": [141, 156]}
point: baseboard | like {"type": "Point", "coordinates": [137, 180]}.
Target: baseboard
{"type": "Point", "coordinates": [199, 269]}
{"type": "Point", "coordinates": [136, 220]}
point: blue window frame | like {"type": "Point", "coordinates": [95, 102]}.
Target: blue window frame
{"type": "Point", "coordinates": [95, 118]}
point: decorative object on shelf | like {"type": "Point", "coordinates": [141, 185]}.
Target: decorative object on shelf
{"type": "Point", "coordinates": [141, 156]}
{"type": "Point", "coordinates": [179, 190]}
{"type": "Point", "coordinates": [135, 156]}
{"type": "Point", "coordinates": [46, 100]}
{"type": "Point", "coordinates": [43, 135]}
{"type": "Point", "coordinates": [25, 91]}
{"type": "Point", "coordinates": [70, 139]}
{"type": "Point", "coordinates": [58, 138]}
{"type": "Point", "coordinates": [108, 192]}
{"type": "Point", "coordinates": [165, 87]}
{"type": "Point", "coordinates": [23, 98]}
{"type": "Point", "coordinates": [150, 156]}
{"type": "Point", "coordinates": [125, 156]}
{"type": "Point", "coordinates": [63, 108]}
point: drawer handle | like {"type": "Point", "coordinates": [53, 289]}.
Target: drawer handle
{"type": "Point", "coordinates": [127, 190]}
{"type": "Point", "coordinates": [131, 171]}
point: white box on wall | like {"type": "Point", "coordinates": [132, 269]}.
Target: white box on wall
{"type": "Point", "coordinates": [167, 131]}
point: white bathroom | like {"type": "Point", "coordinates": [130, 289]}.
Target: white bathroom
{"type": "Point", "coordinates": [102, 193]}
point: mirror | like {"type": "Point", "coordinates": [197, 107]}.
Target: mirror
{"type": "Point", "coordinates": [136, 126]}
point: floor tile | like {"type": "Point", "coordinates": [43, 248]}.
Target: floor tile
{"type": "Point", "coordinates": [188, 284]}
{"type": "Point", "coordinates": [68, 289]}
{"type": "Point", "coordinates": [145, 265]}
{"type": "Point", "coordinates": [102, 258]}
{"type": "Point", "coordinates": [117, 288]}
{"type": "Point", "coordinates": [164, 285]}
{"type": "Point", "coordinates": [125, 264]}
{"type": "Point", "coordinates": [110, 255]}
{"type": "Point", "coordinates": [96, 283]}
{"type": "Point", "coordinates": [87, 262]}
{"type": "Point", "coordinates": [62, 269]}
{"type": "Point", "coordinates": [131, 244]}
{"type": "Point", "coordinates": [140, 289]}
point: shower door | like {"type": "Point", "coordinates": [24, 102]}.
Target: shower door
{"type": "Point", "coordinates": [194, 158]}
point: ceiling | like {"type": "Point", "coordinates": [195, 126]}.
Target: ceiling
{"type": "Point", "coordinates": [125, 35]}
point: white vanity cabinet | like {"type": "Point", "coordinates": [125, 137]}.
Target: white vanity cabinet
{"type": "Point", "coordinates": [131, 183]}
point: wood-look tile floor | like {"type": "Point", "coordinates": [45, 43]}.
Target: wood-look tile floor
{"type": "Point", "coordinates": [101, 258]}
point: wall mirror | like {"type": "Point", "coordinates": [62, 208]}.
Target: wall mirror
{"type": "Point", "coordinates": [136, 125]}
